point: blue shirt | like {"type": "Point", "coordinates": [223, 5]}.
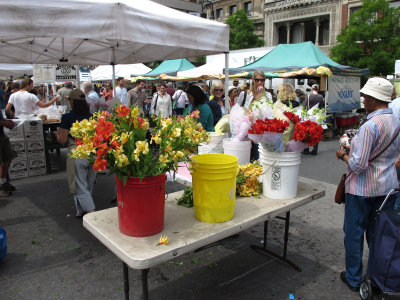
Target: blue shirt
{"type": "Point", "coordinates": [395, 106]}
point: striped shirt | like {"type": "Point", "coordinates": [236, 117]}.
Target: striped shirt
{"type": "Point", "coordinates": [378, 177]}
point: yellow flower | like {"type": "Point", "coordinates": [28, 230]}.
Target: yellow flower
{"type": "Point", "coordinates": [141, 146]}
{"type": "Point", "coordinates": [124, 138]}
{"type": "Point", "coordinates": [122, 160]}
{"type": "Point", "coordinates": [177, 156]}
{"type": "Point", "coordinates": [163, 240]}
{"type": "Point", "coordinates": [163, 158]}
{"type": "Point", "coordinates": [135, 112]}
{"type": "Point", "coordinates": [177, 132]}
{"type": "Point", "coordinates": [156, 139]}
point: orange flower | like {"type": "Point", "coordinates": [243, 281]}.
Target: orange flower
{"type": "Point", "coordinates": [123, 111]}
{"type": "Point", "coordinates": [100, 164]}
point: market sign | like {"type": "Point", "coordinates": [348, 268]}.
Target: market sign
{"type": "Point", "coordinates": [44, 73]}
{"type": "Point", "coordinates": [343, 93]}
{"type": "Point", "coordinates": [66, 72]}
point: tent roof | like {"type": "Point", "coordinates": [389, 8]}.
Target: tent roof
{"type": "Point", "coordinates": [292, 57]}
{"type": "Point", "coordinates": [126, 71]}
{"type": "Point", "coordinates": [126, 31]}
{"type": "Point", "coordinates": [171, 67]}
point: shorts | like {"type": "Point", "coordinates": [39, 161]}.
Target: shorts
{"type": "Point", "coordinates": [6, 153]}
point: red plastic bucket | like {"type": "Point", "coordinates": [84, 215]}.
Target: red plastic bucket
{"type": "Point", "coordinates": [141, 205]}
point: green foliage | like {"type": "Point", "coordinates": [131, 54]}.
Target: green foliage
{"type": "Point", "coordinates": [187, 198]}
{"type": "Point", "coordinates": [241, 34]}
{"type": "Point", "coordinates": [372, 38]}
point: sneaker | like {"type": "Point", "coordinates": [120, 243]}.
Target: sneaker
{"type": "Point", "coordinates": [343, 278]}
{"type": "Point", "coordinates": [305, 152]}
{"type": "Point", "coordinates": [8, 187]}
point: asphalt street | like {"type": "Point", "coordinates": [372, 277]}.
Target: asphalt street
{"type": "Point", "coordinates": [51, 255]}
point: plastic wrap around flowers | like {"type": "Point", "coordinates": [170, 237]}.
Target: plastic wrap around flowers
{"type": "Point", "coordinates": [276, 126]}
{"type": "Point", "coordinates": [121, 142]}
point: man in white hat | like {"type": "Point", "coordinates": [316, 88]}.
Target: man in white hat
{"type": "Point", "coordinates": [371, 176]}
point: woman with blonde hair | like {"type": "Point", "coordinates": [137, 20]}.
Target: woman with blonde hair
{"type": "Point", "coordinates": [287, 95]}
{"type": "Point", "coordinates": [256, 92]}
{"type": "Point", "coordinates": [217, 104]}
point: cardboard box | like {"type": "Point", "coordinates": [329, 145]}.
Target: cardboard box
{"type": "Point", "coordinates": [37, 171]}
{"type": "Point", "coordinates": [15, 174]}
{"type": "Point", "coordinates": [33, 129]}
{"type": "Point", "coordinates": [18, 164]}
{"type": "Point", "coordinates": [17, 133]}
{"type": "Point", "coordinates": [34, 147]}
{"type": "Point", "coordinates": [19, 146]}
{"type": "Point", "coordinates": [36, 161]}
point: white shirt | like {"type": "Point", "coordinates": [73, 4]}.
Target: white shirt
{"type": "Point", "coordinates": [93, 100]}
{"type": "Point", "coordinates": [121, 94]}
{"type": "Point", "coordinates": [395, 106]}
{"type": "Point", "coordinates": [249, 98]}
{"type": "Point", "coordinates": [164, 105]}
{"type": "Point", "coordinates": [182, 100]}
{"type": "Point", "coordinates": [24, 103]}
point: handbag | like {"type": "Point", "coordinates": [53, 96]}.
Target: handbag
{"type": "Point", "coordinates": [340, 190]}
{"type": "Point", "coordinates": [175, 103]}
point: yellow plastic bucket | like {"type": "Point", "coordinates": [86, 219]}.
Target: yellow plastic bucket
{"type": "Point", "coordinates": [214, 187]}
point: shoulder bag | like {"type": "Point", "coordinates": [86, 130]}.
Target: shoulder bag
{"type": "Point", "coordinates": [340, 191]}
{"type": "Point", "coordinates": [175, 103]}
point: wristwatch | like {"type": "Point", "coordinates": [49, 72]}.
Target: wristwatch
{"type": "Point", "coordinates": [344, 154]}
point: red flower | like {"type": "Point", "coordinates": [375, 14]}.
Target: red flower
{"type": "Point", "coordinates": [292, 117]}
{"type": "Point", "coordinates": [269, 125]}
{"type": "Point", "coordinates": [100, 164]}
{"type": "Point", "coordinates": [123, 111]}
{"type": "Point", "coordinates": [104, 129]}
{"type": "Point", "coordinates": [308, 132]}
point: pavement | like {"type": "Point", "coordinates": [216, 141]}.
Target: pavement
{"type": "Point", "coordinates": [51, 256]}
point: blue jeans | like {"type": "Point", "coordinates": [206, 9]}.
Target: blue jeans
{"type": "Point", "coordinates": [359, 217]}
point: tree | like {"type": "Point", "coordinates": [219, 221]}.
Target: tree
{"type": "Point", "coordinates": [241, 34]}
{"type": "Point", "coordinates": [372, 38]}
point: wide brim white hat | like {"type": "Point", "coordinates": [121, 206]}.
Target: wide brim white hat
{"type": "Point", "coordinates": [378, 88]}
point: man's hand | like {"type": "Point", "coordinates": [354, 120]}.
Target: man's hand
{"type": "Point", "coordinates": [8, 124]}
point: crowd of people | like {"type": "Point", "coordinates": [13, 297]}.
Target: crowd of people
{"type": "Point", "coordinates": [372, 159]}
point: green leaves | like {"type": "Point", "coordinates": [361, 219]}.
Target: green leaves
{"type": "Point", "coordinates": [372, 38]}
{"type": "Point", "coordinates": [241, 34]}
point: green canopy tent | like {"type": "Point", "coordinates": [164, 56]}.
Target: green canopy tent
{"type": "Point", "coordinates": [293, 57]}
{"type": "Point", "coordinates": [171, 67]}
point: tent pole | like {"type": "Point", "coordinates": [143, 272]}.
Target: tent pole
{"type": "Point", "coordinates": [113, 79]}
{"type": "Point", "coordinates": [78, 83]}
{"type": "Point", "coordinates": [226, 87]}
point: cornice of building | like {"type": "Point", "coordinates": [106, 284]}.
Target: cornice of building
{"type": "Point", "coordinates": [279, 5]}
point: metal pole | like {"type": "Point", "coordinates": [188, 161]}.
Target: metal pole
{"type": "Point", "coordinates": [78, 80]}
{"type": "Point", "coordinates": [226, 81]}
{"type": "Point", "coordinates": [113, 79]}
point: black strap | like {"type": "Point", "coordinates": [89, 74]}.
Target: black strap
{"type": "Point", "coordinates": [244, 98]}
{"type": "Point", "coordinates": [155, 105]}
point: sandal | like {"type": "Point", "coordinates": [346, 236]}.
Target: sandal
{"type": "Point", "coordinates": [4, 193]}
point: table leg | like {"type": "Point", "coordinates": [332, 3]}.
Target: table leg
{"type": "Point", "coordinates": [126, 280]}
{"type": "Point", "coordinates": [145, 288]}
{"type": "Point", "coordinates": [264, 249]}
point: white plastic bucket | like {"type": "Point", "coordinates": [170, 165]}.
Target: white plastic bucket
{"type": "Point", "coordinates": [280, 174]}
{"type": "Point", "coordinates": [214, 146]}
{"type": "Point", "coordinates": [239, 149]}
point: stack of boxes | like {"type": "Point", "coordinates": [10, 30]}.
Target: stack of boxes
{"type": "Point", "coordinates": [27, 140]}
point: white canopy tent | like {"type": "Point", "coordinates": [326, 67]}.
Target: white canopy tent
{"type": "Point", "coordinates": [72, 32]}
{"type": "Point", "coordinates": [15, 70]}
{"type": "Point", "coordinates": [126, 71]}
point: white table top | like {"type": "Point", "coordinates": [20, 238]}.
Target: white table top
{"type": "Point", "coordinates": [184, 231]}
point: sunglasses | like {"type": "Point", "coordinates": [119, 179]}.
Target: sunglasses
{"type": "Point", "coordinates": [218, 90]}
{"type": "Point", "coordinates": [259, 79]}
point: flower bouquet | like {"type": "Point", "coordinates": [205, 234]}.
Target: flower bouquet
{"type": "Point", "coordinates": [121, 142]}
{"type": "Point", "coordinates": [247, 183]}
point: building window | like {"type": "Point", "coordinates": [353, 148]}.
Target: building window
{"type": "Point", "coordinates": [282, 34]}
{"type": "Point", "coordinates": [354, 9]}
{"type": "Point", "coordinates": [324, 32]}
{"type": "Point", "coordinates": [232, 9]}
{"type": "Point", "coordinates": [219, 13]}
{"type": "Point", "coordinates": [248, 8]}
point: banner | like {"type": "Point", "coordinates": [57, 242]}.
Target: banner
{"type": "Point", "coordinates": [66, 73]}
{"type": "Point", "coordinates": [43, 73]}
{"type": "Point", "coordinates": [343, 93]}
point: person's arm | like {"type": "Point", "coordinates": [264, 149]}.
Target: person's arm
{"type": "Point", "coordinates": [62, 136]}
{"type": "Point", "coordinates": [169, 106]}
{"type": "Point", "coordinates": [7, 123]}
{"type": "Point", "coordinates": [361, 151]}
{"type": "Point", "coordinates": [153, 102]}
{"type": "Point", "coordinates": [47, 104]}
{"type": "Point", "coordinates": [9, 110]}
